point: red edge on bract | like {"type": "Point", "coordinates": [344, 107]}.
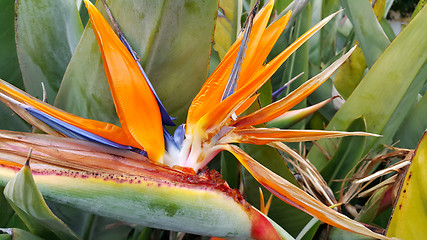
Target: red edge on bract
{"type": "Point", "coordinates": [262, 229]}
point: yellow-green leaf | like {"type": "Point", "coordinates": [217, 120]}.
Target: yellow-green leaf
{"type": "Point", "coordinates": [409, 219]}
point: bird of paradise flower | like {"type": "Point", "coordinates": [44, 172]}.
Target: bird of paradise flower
{"type": "Point", "coordinates": [162, 177]}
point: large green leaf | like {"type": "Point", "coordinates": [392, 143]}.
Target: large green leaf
{"type": "Point", "coordinates": [410, 212]}
{"type": "Point", "coordinates": [28, 203]}
{"type": "Point", "coordinates": [298, 62]}
{"type": "Point", "coordinates": [322, 52]}
{"type": "Point", "coordinates": [338, 234]}
{"type": "Point", "coordinates": [173, 40]}
{"type": "Point", "coordinates": [47, 32]}
{"type": "Point", "coordinates": [348, 154]}
{"type": "Point", "coordinates": [9, 66]}
{"type": "Point", "coordinates": [84, 90]}
{"type": "Point", "coordinates": [386, 91]}
{"type": "Point", "coordinates": [350, 74]}
{"type": "Point", "coordinates": [5, 209]}
{"type": "Point", "coordinates": [352, 71]}
{"type": "Point", "coordinates": [329, 31]}
{"type": "Point", "coordinates": [19, 234]}
{"type": "Point", "coordinates": [227, 25]}
{"type": "Point", "coordinates": [373, 41]}
{"type": "Point", "coordinates": [410, 132]}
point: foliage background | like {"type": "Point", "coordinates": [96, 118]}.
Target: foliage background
{"type": "Point", "coordinates": [382, 87]}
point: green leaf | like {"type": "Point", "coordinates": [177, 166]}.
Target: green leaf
{"type": "Point", "coordinates": [84, 90]}
{"type": "Point", "coordinates": [410, 132]}
{"type": "Point", "coordinates": [5, 237]}
{"type": "Point", "coordinates": [347, 155]}
{"type": "Point", "coordinates": [27, 201]}
{"type": "Point", "coordinates": [373, 41]}
{"type": "Point", "coordinates": [372, 207]}
{"type": "Point", "coordinates": [409, 216]}
{"type": "Point", "coordinates": [329, 31]}
{"type": "Point", "coordinates": [321, 49]}
{"type": "Point", "coordinates": [172, 38]}
{"type": "Point", "coordinates": [230, 169]}
{"type": "Point", "coordinates": [265, 94]}
{"type": "Point", "coordinates": [227, 25]}
{"type": "Point", "coordinates": [9, 65]}
{"type": "Point", "coordinates": [298, 62]}
{"type": "Point", "coordinates": [106, 228]}
{"type": "Point", "coordinates": [47, 32]}
{"type": "Point", "coordinates": [77, 220]}
{"type": "Point", "coordinates": [419, 6]}
{"type": "Point", "coordinates": [313, 225]}
{"type": "Point", "coordinates": [6, 211]}
{"type": "Point", "coordinates": [387, 29]}
{"type": "Point", "coordinates": [19, 234]}
{"type": "Point", "coordinates": [338, 234]}
{"type": "Point", "coordinates": [350, 74]}
{"type": "Point", "coordinates": [384, 94]}
{"type": "Point", "coordinates": [16, 222]}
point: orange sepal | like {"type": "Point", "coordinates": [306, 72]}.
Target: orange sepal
{"type": "Point", "coordinates": [276, 109]}
{"type": "Point", "coordinates": [212, 90]}
{"type": "Point", "coordinates": [260, 53]}
{"type": "Point", "coordinates": [257, 51]}
{"type": "Point", "coordinates": [215, 118]}
{"type": "Point", "coordinates": [135, 103]}
{"type": "Point", "coordinates": [262, 136]}
{"type": "Point", "coordinates": [105, 130]}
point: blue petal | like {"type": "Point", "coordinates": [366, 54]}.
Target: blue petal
{"type": "Point", "coordinates": [179, 135]}
{"type": "Point", "coordinates": [279, 91]}
{"type": "Point", "coordinates": [169, 140]}
{"type": "Point", "coordinates": [73, 131]}
{"type": "Point", "coordinates": [166, 118]}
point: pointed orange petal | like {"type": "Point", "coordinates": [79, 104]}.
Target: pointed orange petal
{"type": "Point", "coordinates": [267, 206]}
{"type": "Point", "coordinates": [256, 56]}
{"type": "Point", "coordinates": [105, 130]}
{"type": "Point", "coordinates": [276, 109]}
{"type": "Point", "coordinates": [262, 136]}
{"type": "Point", "coordinates": [218, 115]}
{"type": "Point", "coordinates": [261, 201]}
{"type": "Point", "coordinates": [256, 48]}
{"type": "Point", "coordinates": [291, 194]}
{"type": "Point", "coordinates": [211, 92]}
{"type": "Point", "coordinates": [135, 103]}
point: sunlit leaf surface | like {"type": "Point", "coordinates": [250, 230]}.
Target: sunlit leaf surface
{"type": "Point", "coordinates": [410, 212]}
{"type": "Point", "coordinates": [47, 33]}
